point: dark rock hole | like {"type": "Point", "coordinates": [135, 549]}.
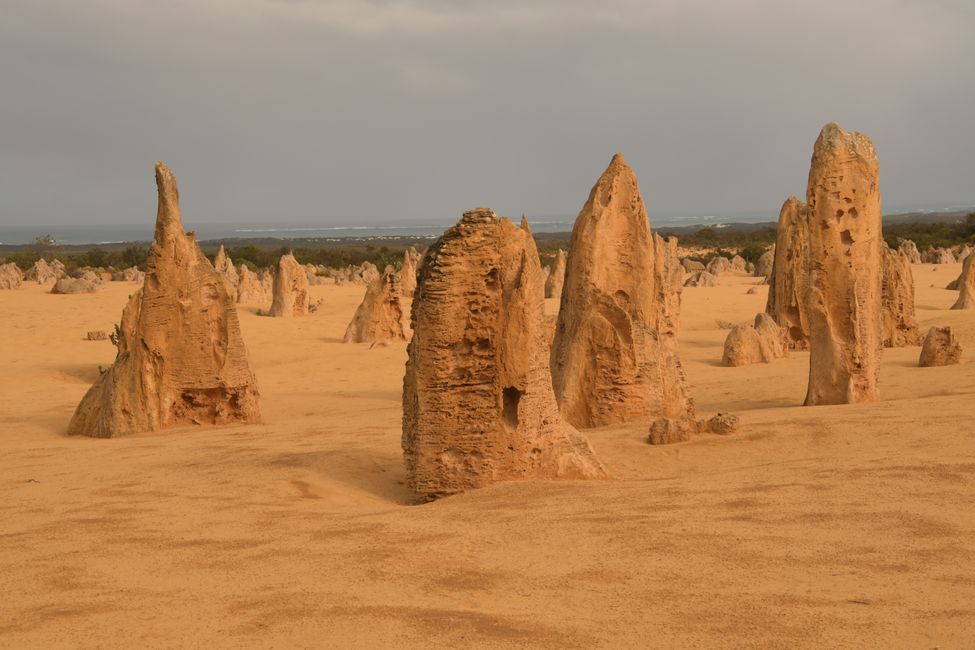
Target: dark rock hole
{"type": "Point", "coordinates": [510, 397]}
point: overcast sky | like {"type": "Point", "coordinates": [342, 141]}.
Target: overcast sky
{"type": "Point", "coordinates": [379, 111]}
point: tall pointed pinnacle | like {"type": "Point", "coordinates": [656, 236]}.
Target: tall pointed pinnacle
{"type": "Point", "coordinates": [169, 222]}
{"type": "Point", "coordinates": [614, 357]}
{"type": "Point", "coordinates": [181, 357]}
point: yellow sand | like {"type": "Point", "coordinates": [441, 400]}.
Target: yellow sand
{"type": "Point", "coordinates": [846, 526]}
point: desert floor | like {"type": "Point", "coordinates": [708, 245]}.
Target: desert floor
{"type": "Point", "coordinates": [847, 526]}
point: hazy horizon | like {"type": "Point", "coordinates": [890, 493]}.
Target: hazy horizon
{"type": "Point", "coordinates": [383, 112]}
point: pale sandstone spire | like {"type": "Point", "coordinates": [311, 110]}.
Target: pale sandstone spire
{"type": "Point", "coordinates": [614, 356]}
{"type": "Point", "coordinates": [181, 359]}
{"type": "Point", "coordinates": [290, 293]}
{"type": "Point", "coordinates": [844, 295]}
{"type": "Point", "coordinates": [383, 314]}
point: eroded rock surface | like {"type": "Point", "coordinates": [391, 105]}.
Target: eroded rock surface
{"type": "Point", "coordinates": [844, 301]}
{"type": "Point", "coordinates": [131, 274]}
{"type": "Point", "coordinates": [909, 249]}
{"type": "Point", "coordinates": [789, 278]}
{"type": "Point", "coordinates": [763, 267]}
{"type": "Point", "coordinates": [290, 294]}
{"type": "Point", "coordinates": [11, 276]}
{"type": "Point", "coordinates": [225, 267]}
{"type": "Point", "coordinates": [966, 285]}
{"type": "Point", "coordinates": [181, 359]}
{"type": "Point", "coordinates": [478, 405]}
{"type": "Point", "coordinates": [556, 278]}
{"type": "Point", "coordinates": [667, 431]}
{"type": "Point", "coordinates": [383, 314]}
{"type": "Point", "coordinates": [940, 348]}
{"type": "Point", "coordinates": [939, 256]}
{"type": "Point", "coordinates": [75, 285]}
{"type": "Point", "coordinates": [718, 265]}
{"type": "Point", "coordinates": [250, 289]}
{"type": "Point", "coordinates": [701, 279]}
{"type": "Point", "coordinates": [407, 275]}
{"type": "Point", "coordinates": [760, 342]}
{"type": "Point", "coordinates": [897, 297]}
{"type": "Point", "coordinates": [614, 358]}
{"type": "Point", "coordinates": [43, 272]}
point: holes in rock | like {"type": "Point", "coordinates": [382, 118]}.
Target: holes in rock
{"type": "Point", "coordinates": [847, 238]}
{"type": "Point", "coordinates": [853, 213]}
{"type": "Point", "coordinates": [510, 397]}
{"type": "Point", "coordinates": [491, 279]}
{"type": "Point", "coordinates": [622, 299]}
{"type": "Point", "coordinates": [839, 214]}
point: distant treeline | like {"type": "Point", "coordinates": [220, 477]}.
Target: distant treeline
{"type": "Point", "coordinates": [253, 257]}
{"type": "Point", "coordinates": [750, 244]}
{"type": "Point", "coordinates": [938, 234]}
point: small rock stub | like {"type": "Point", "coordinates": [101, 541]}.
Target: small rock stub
{"type": "Point", "coordinates": [11, 276]}
{"type": "Point", "coordinates": [940, 348]}
{"type": "Point", "coordinates": [760, 342]}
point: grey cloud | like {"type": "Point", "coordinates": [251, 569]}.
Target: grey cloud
{"type": "Point", "coordinates": [414, 111]}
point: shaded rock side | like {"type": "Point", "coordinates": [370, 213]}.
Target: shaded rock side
{"type": "Point", "coordinates": [897, 296]}
{"type": "Point", "coordinates": [290, 293]}
{"type": "Point", "coordinates": [478, 405]}
{"type": "Point", "coordinates": [940, 348]}
{"type": "Point", "coordinates": [789, 278]}
{"type": "Point", "coordinates": [250, 290]}
{"type": "Point", "coordinates": [181, 359]}
{"type": "Point", "coordinates": [844, 298]}
{"type": "Point", "coordinates": [760, 342]}
{"type": "Point", "coordinates": [612, 359]}
{"type": "Point", "coordinates": [966, 285]}
{"type": "Point", "coordinates": [556, 278]}
{"type": "Point", "coordinates": [383, 313]}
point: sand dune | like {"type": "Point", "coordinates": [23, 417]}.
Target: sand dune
{"type": "Point", "coordinates": [838, 526]}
